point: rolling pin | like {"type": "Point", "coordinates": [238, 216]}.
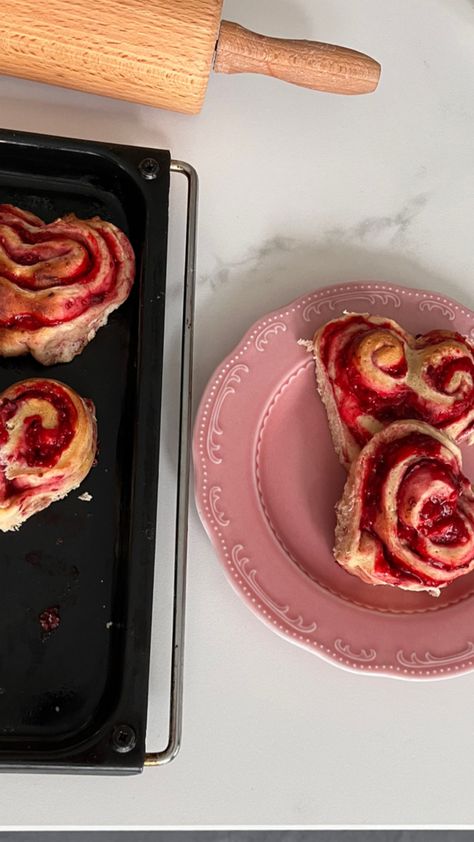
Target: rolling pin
{"type": "Point", "coordinates": [161, 52]}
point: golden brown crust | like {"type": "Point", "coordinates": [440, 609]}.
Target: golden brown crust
{"type": "Point", "coordinates": [344, 442]}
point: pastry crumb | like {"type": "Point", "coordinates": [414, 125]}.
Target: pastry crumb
{"type": "Point", "coordinates": [306, 343]}
{"type": "Point", "coordinates": [86, 497]}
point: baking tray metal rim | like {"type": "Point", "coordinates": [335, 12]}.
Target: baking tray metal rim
{"type": "Point", "coordinates": [159, 758]}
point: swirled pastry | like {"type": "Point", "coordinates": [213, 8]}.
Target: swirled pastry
{"type": "Point", "coordinates": [371, 372]}
{"type": "Point", "coordinates": [406, 517]}
{"type": "Point", "coordinates": [58, 282]}
{"type": "Point", "coordinates": [48, 442]}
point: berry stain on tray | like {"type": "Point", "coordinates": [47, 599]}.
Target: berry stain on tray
{"type": "Point", "coordinates": [50, 619]}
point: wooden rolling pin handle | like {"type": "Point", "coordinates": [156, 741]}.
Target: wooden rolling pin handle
{"type": "Point", "coordinates": [322, 67]}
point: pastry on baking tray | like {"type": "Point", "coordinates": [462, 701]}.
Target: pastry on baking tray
{"type": "Point", "coordinates": [58, 282]}
{"type": "Point", "coordinates": [48, 442]}
{"type": "Point", "coordinates": [371, 372]}
{"type": "Point", "coordinates": [406, 517]}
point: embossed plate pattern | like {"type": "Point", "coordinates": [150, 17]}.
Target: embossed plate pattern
{"type": "Point", "coordinates": [267, 479]}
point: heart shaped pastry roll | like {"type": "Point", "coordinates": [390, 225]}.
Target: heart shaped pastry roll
{"type": "Point", "coordinates": [406, 517]}
{"type": "Point", "coordinates": [58, 282]}
{"type": "Point", "coordinates": [371, 372]}
{"type": "Point", "coordinates": [48, 442]}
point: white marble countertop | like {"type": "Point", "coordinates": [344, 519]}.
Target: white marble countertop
{"type": "Point", "coordinates": [298, 190]}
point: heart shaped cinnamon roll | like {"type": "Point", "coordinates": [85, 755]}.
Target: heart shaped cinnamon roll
{"type": "Point", "coordinates": [58, 282]}
{"type": "Point", "coordinates": [406, 517]}
{"type": "Point", "coordinates": [48, 441]}
{"type": "Point", "coordinates": [371, 372]}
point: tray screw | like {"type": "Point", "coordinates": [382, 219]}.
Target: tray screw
{"type": "Point", "coordinates": [124, 738]}
{"type": "Point", "coordinates": [149, 168]}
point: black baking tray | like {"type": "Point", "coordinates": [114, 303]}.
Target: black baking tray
{"type": "Point", "coordinates": [75, 699]}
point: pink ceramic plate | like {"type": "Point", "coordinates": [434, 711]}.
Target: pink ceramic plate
{"type": "Point", "coordinates": [267, 479]}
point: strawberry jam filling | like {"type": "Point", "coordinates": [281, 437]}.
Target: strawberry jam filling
{"type": "Point", "coordinates": [39, 445]}
{"type": "Point", "coordinates": [421, 522]}
{"type": "Point", "coordinates": [382, 463]}
{"type": "Point", "coordinates": [45, 248]}
{"type": "Point", "coordinates": [452, 376]}
{"type": "Point", "coordinates": [444, 378]}
{"type": "Point", "coordinates": [49, 259]}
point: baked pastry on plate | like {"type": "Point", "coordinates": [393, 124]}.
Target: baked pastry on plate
{"type": "Point", "coordinates": [59, 282]}
{"type": "Point", "coordinates": [406, 517]}
{"type": "Point", "coordinates": [48, 442]}
{"type": "Point", "coordinates": [371, 372]}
